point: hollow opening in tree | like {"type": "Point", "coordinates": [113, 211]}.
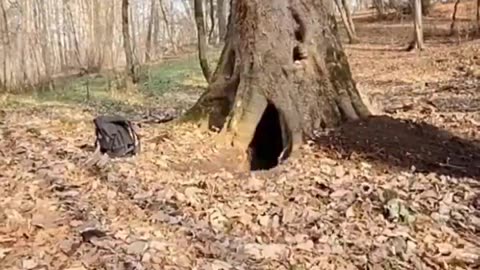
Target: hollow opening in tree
{"type": "Point", "coordinates": [300, 28]}
{"type": "Point", "coordinates": [297, 54]}
{"type": "Point", "coordinates": [267, 143]}
{"type": "Point", "coordinates": [267, 105]}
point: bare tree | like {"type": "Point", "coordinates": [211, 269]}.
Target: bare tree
{"type": "Point", "coordinates": [148, 45]}
{"type": "Point", "coordinates": [41, 27]}
{"type": "Point", "coordinates": [418, 24]}
{"type": "Point", "coordinates": [132, 23]}
{"type": "Point", "coordinates": [126, 43]}
{"type": "Point", "coordinates": [6, 45]}
{"type": "Point", "coordinates": [222, 24]}
{"type": "Point", "coordinates": [347, 20]}
{"type": "Point", "coordinates": [212, 22]}
{"type": "Point", "coordinates": [478, 15]}
{"type": "Point", "coordinates": [380, 7]}
{"type": "Point", "coordinates": [168, 27]}
{"type": "Point", "coordinates": [43, 40]}
{"type": "Point", "coordinates": [454, 17]}
{"type": "Point", "coordinates": [349, 15]}
{"type": "Point", "coordinates": [202, 39]}
{"type": "Point", "coordinates": [285, 76]}
{"type": "Point", "coordinates": [330, 6]}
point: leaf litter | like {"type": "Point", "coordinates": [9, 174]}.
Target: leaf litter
{"type": "Point", "coordinates": [181, 204]}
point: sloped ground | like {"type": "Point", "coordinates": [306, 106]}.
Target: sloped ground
{"type": "Point", "coordinates": [399, 191]}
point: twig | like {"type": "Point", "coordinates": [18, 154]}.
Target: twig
{"type": "Point", "coordinates": [446, 165]}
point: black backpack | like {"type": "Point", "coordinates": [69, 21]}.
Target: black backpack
{"type": "Point", "coordinates": [116, 136]}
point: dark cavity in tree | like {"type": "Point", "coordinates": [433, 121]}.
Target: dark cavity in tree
{"type": "Point", "coordinates": [267, 143]}
{"type": "Point", "coordinates": [300, 29]}
{"type": "Point", "coordinates": [297, 54]}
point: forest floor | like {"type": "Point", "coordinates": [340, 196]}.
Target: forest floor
{"type": "Point", "coordinates": [398, 191]}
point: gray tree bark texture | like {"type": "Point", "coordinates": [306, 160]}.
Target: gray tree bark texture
{"type": "Point", "coordinates": [347, 20]}
{"type": "Point", "coordinates": [222, 24]}
{"type": "Point", "coordinates": [478, 14]}
{"type": "Point", "coordinates": [418, 24]}
{"type": "Point", "coordinates": [281, 55]}
{"type": "Point", "coordinates": [201, 39]}
{"type": "Point", "coordinates": [454, 17]}
{"type": "Point", "coordinates": [127, 43]}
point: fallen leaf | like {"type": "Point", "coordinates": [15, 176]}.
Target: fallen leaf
{"type": "Point", "coordinates": [28, 264]}
{"type": "Point", "coordinates": [137, 247]}
{"type": "Point", "coordinates": [88, 232]}
{"type": "Point", "coordinates": [264, 220]}
{"type": "Point", "coordinates": [397, 211]}
{"type": "Point", "coordinates": [340, 171]}
{"type": "Point", "coordinates": [444, 248]}
{"type": "Point", "coordinates": [77, 266]}
{"type": "Point", "coordinates": [68, 246]}
{"type": "Point", "coordinates": [267, 251]}
{"type": "Point", "coordinates": [219, 265]}
{"type": "Point", "coordinates": [217, 220]}
{"type": "Point", "coordinates": [4, 252]}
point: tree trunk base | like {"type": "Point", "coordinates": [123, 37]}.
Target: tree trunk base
{"type": "Point", "coordinates": [282, 76]}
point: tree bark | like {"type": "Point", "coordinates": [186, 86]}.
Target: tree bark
{"type": "Point", "coordinates": [202, 39]}
{"type": "Point", "coordinates": [454, 17]}
{"type": "Point", "coordinates": [426, 7]}
{"type": "Point", "coordinates": [41, 27]}
{"type": "Point", "coordinates": [282, 76]}
{"type": "Point", "coordinates": [168, 27]}
{"type": "Point", "coordinates": [222, 24]}
{"type": "Point", "coordinates": [380, 7]}
{"type": "Point", "coordinates": [347, 21]}
{"type": "Point", "coordinates": [156, 31]}
{"type": "Point", "coordinates": [6, 46]}
{"type": "Point", "coordinates": [478, 15]}
{"type": "Point", "coordinates": [349, 16]}
{"type": "Point", "coordinates": [127, 43]}
{"type": "Point", "coordinates": [188, 9]}
{"type": "Point", "coordinates": [132, 22]}
{"type": "Point", "coordinates": [212, 22]}
{"type": "Point", "coordinates": [418, 24]}
{"type": "Point", "coordinates": [330, 7]}
{"type": "Point", "coordinates": [151, 20]}
{"type": "Point", "coordinates": [5, 27]}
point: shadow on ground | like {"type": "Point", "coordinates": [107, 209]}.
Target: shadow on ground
{"type": "Point", "coordinates": [403, 144]}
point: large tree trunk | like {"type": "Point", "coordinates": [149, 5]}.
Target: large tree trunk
{"type": "Point", "coordinates": [282, 76]}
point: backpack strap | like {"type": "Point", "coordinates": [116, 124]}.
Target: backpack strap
{"type": "Point", "coordinates": [98, 131]}
{"type": "Point", "coordinates": [136, 138]}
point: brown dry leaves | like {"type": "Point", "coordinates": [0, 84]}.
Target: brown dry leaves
{"type": "Point", "coordinates": [181, 204]}
{"type": "Point", "coordinates": [166, 209]}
